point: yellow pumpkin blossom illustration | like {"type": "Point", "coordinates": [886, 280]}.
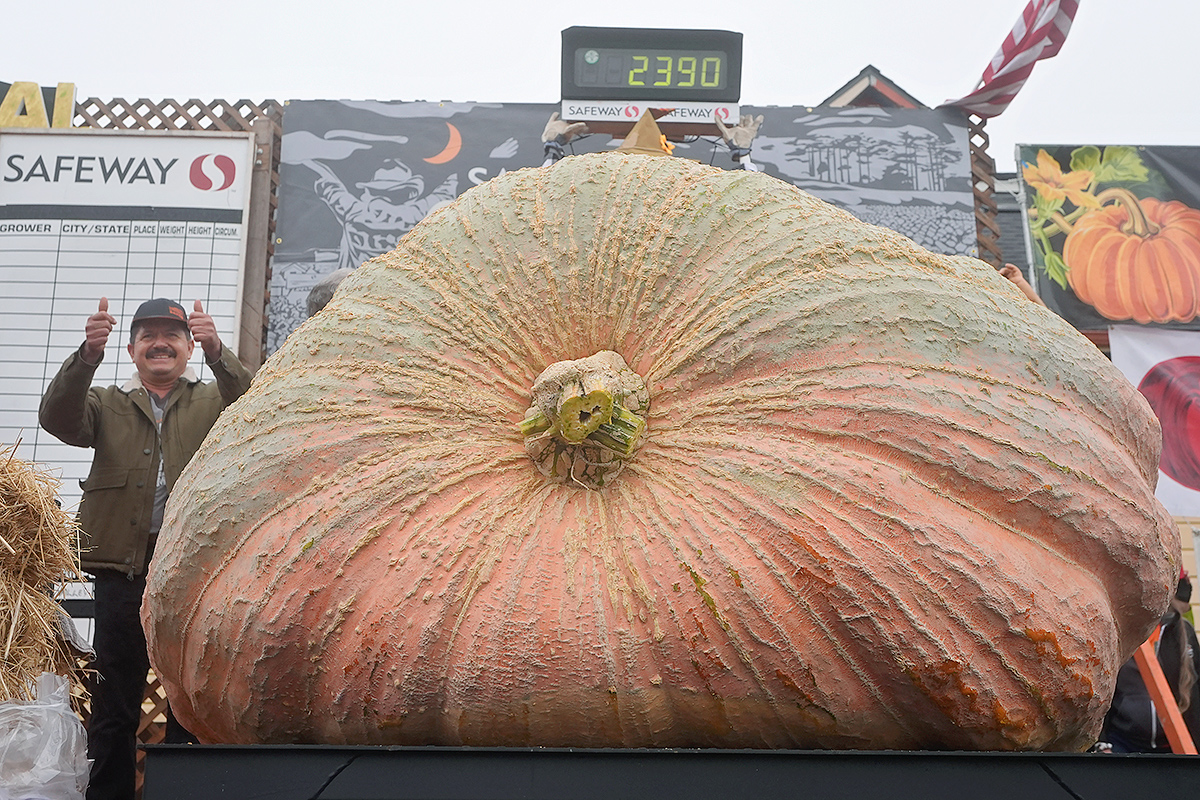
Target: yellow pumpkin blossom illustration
{"type": "Point", "coordinates": [1050, 182]}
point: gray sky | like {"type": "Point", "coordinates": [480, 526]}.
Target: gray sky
{"type": "Point", "coordinates": [1123, 77]}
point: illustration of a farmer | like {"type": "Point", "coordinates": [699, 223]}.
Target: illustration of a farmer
{"type": "Point", "coordinates": [389, 205]}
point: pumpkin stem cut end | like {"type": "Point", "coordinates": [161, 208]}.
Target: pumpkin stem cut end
{"type": "Point", "coordinates": [579, 414]}
{"type": "Point", "coordinates": [586, 419]}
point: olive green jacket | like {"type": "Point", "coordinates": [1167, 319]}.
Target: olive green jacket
{"type": "Point", "coordinates": [118, 422]}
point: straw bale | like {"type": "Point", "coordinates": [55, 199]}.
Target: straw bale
{"type": "Point", "coordinates": [39, 550]}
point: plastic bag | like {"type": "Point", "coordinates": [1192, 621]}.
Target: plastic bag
{"type": "Point", "coordinates": [43, 747]}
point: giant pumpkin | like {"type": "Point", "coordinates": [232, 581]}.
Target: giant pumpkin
{"type": "Point", "coordinates": [630, 451]}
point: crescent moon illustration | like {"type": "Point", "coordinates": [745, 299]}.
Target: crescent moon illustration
{"type": "Point", "coordinates": [451, 149]}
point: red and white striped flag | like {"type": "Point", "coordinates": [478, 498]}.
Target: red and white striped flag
{"type": "Point", "coordinates": [1038, 34]}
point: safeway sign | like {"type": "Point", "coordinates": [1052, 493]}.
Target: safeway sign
{"type": "Point", "coordinates": [107, 168]}
{"type": "Point", "coordinates": [690, 113]}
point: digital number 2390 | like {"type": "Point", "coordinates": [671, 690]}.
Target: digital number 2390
{"type": "Point", "coordinates": [665, 67]}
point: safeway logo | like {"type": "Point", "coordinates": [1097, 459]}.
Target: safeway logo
{"type": "Point", "coordinates": [722, 112]}
{"type": "Point", "coordinates": [212, 172]}
{"type": "Point", "coordinates": [632, 111]}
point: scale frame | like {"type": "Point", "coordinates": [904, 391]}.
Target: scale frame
{"type": "Point", "coordinates": [679, 110]}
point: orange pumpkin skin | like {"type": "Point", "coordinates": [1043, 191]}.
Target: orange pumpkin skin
{"type": "Point", "coordinates": [882, 500]}
{"type": "Point", "coordinates": [1123, 275]}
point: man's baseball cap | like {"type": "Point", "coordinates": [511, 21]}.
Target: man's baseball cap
{"type": "Point", "coordinates": [159, 308]}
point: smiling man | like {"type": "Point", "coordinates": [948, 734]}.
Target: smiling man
{"type": "Point", "coordinates": [143, 433]}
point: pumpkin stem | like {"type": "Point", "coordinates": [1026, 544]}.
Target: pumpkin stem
{"type": "Point", "coordinates": [621, 434]}
{"type": "Point", "coordinates": [585, 419]}
{"type": "Point", "coordinates": [535, 423]}
{"type": "Point", "coordinates": [1138, 224]}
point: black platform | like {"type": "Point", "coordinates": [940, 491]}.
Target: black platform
{"type": "Point", "coordinates": [201, 772]}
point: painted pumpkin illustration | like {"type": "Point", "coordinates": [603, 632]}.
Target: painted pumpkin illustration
{"type": "Point", "coordinates": [1137, 259]}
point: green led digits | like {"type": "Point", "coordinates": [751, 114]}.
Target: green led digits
{"type": "Point", "coordinates": [663, 72]}
{"type": "Point", "coordinates": [668, 69]}
{"type": "Point", "coordinates": [687, 66]}
{"type": "Point", "coordinates": [678, 72]}
{"type": "Point", "coordinates": [639, 71]}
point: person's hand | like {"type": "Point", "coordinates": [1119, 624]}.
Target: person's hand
{"type": "Point", "coordinates": [561, 132]}
{"type": "Point", "coordinates": [1013, 274]}
{"type": "Point", "coordinates": [96, 331]}
{"type": "Point", "coordinates": [741, 135]}
{"type": "Point", "coordinates": [204, 331]}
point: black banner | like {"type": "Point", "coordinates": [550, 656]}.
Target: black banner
{"type": "Point", "coordinates": [356, 176]}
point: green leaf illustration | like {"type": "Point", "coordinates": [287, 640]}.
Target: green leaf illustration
{"type": "Point", "coordinates": [1056, 269]}
{"type": "Point", "coordinates": [1121, 164]}
{"type": "Point", "coordinates": [1086, 157]}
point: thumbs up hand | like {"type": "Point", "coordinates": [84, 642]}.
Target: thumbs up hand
{"type": "Point", "coordinates": [204, 331]}
{"type": "Point", "coordinates": [95, 333]}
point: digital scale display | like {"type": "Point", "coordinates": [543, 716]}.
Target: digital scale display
{"type": "Point", "coordinates": [651, 64]}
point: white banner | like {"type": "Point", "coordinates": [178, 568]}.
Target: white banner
{"type": "Point", "coordinates": [1165, 366]}
{"type": "Point", "coordinates": [127, 215]}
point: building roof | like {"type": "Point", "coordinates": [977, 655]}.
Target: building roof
{"type": "Point", "coordinates": [872, 88]}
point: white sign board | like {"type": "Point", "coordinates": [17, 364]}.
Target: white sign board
{"type": "Point", "coordinates": [127, 215]}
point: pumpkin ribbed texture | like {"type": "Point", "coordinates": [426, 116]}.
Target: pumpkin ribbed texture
{"type": "Point", "coordinates": [880, 500]}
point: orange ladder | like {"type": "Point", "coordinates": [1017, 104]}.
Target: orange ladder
{"type": "Point", "coordinates": [1160, 693]}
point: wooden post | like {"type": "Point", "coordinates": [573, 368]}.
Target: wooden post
{"type": "Point", "coordinates": [258, 236]}
{"type": "Point", "coordinates": [1164, 700]}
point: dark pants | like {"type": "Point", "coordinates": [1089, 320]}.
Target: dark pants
{"type": "Point", "coordinates": [117, 690]}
